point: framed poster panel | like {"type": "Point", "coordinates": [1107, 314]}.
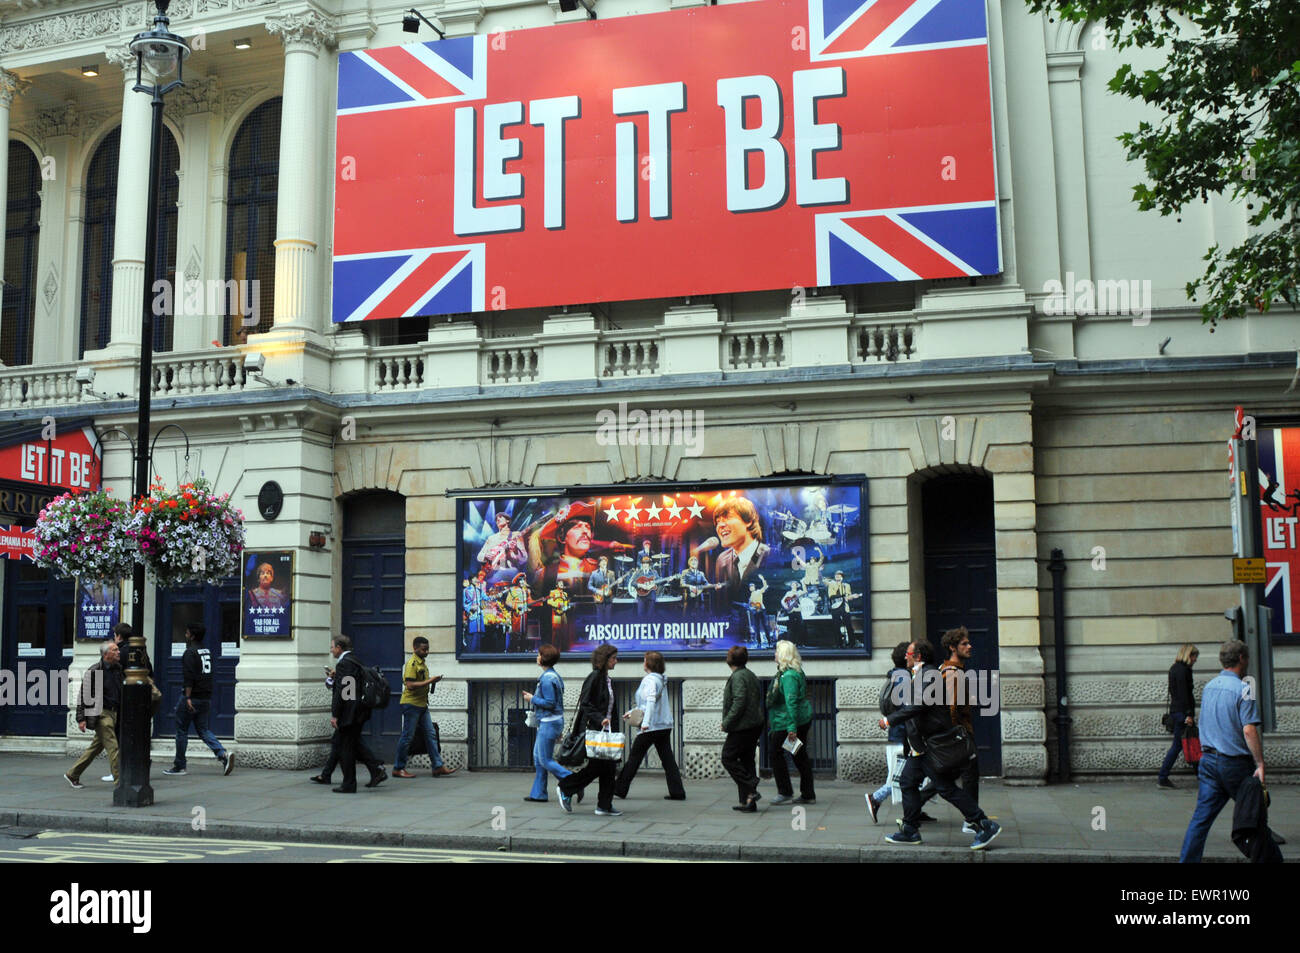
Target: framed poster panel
{"type": "Point", "coordinates": [266, 604]}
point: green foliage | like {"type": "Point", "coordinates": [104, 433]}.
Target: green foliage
{"type": "Point", "coordinates": [1229, 97]}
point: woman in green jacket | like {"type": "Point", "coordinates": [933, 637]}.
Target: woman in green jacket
{"type": "Point", "coordinates": [789, 716]}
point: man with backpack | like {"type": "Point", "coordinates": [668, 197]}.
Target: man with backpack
{"type": "Point", "coordinates": [930, 740]}
{"type": "Point", "coordinates": [350, 710]}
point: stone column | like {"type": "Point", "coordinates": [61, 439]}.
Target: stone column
{"type": "Point", "coordinates": [55, 315]}
{"type": "Point", "coordinates": [131, 212]}
{"type": "Point", "coordinates": [192, 107]}
{"type": "Point", "coordinates": [9, 85]}
{"type": "Point", "coordinates": [305, 35]}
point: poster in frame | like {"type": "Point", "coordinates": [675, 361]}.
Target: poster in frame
{"type": "Point", "coordinates": [99, 608]}
{"type": "Point", "coordinates": [689, 570]}
{"type": "Point", "coordinates": [266, 602]}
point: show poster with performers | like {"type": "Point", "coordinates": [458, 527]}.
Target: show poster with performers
{"type": "Point", "coordinates": [688, 572]}
{"type": "Point", "coordinates": [99, 608]}
{"type": "Point", "coordinates": [267, 604]}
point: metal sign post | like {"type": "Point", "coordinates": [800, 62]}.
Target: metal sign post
{"type": "Point", "coordinates": [1254, 618]}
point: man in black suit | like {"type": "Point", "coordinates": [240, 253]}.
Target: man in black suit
{"type": "Point", "coordinates": [350, 717]}
{"type": "Point", "coordinates": [739, 531]}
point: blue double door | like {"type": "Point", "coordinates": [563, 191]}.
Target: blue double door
{"type": "Point", "coordinates": [36, 649]}
{"type": "Point", "coordinates": [217, 607]}
{"type": "Point", "coordinates": [374, 602]}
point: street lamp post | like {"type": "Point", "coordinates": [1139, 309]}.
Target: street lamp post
{"type": "Point", "coordinates": [161, 53]}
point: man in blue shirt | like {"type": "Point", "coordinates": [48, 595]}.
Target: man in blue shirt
{"type": "Point", "coordinates": [1230, 745]}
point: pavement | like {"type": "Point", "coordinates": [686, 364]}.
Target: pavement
{"type": "Point", "coordinates": [1097, 821]}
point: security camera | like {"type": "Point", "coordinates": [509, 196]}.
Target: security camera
{"type": "Point", "coordinates": [85, 376]}
{"type": "Point", "coordinates": [254, 363]}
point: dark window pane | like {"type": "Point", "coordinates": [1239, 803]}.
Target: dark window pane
{"type": "Point", "coordinates": [31, 627]}
{"type": "Point", "coordinates": [22, 237]}
{"type": "Point", "coordinates": [251, 198]}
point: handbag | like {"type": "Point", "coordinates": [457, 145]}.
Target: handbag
{"type": "Point", "coordinates": [949, 752]}
{"type": "Point", "coordinates": [1191, 745]}
{"type": "Point", "coordinates": [155, 697]}
{"type": "Point", "coordinates": [1167, 719]}
{"type": "Point", "coordinates": [605, 745]}
{"type": "Point", "coordinates": [635, 717]}
{"type": "Point", "coordinates": [530, 718]}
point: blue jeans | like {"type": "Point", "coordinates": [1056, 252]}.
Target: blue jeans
{"type": "Point", "coordinates": [199, 718]}
{"type": "Point", "coordinates": [1221, 777]}
{"type": "Point", "coordinates": [1176, 748]}
{"type": "Point", "coordinates": [416, 718]}
{"type": "Point", "coordinates": [548, 733]}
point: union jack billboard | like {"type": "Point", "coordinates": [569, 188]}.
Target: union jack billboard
{"type": "Point", "coordinates": [1279, 489]}
{"type": "Point", "coordinates": [761, 145]}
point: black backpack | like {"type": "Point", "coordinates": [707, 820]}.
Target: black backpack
{"type": "Point", "coordinates": [375, 692]}
{"type": "Point", "coordinates": [887, 706]}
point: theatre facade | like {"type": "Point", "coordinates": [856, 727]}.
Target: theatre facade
{"type": "Point", "coordinates": [456, 321]}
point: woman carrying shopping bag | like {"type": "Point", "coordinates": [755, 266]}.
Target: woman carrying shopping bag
{"type": "Point", "coordinates": [1182, 709]}
{"type": "Point", "coordinates": [595, 713]}
{"type": "Point", "coordinates": [548, 710]}
{"type": "Point", "coordinates": [654, 716]}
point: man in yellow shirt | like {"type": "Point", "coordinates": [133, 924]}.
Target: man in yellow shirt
{"type": "Point", "coordinates": [415, 712]}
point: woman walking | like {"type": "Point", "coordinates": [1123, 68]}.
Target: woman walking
{"type": "Point", "coordinates": [548, 704]}
{"type": "Point", "coordinates": [595, 711]}
{"type": "Point", "coordinates": [742, 720]}
{"type": "Point", "coordinates": [1182, 707]}
{"type": "Point", "coordinates": [789, 716]}
{"type": "Point", "coordinates": [656, 727]}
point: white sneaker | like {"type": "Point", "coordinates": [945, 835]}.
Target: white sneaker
{"type": "Point", "coordinates": [969, 828]}
{"type": "Point", "coordinates": [108, 777]}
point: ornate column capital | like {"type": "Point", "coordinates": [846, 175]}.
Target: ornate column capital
{"type": "Point", "coordinates": [307, 30]}
{"type": "Point", "coordinates": [120, 55]}
{"type": "Point", "coordinates": [11, 84]}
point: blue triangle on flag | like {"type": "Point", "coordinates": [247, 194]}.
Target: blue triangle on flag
{"type": "Point", "coordinates": [835, 12]}
{"type": "Point", "coordinates": [848, 267]}
{"type": "Point", "coordinates": [459, 52]}
{"type": "Point", "coordinates": [969, 233]}
{"type": "Point", "coordinates": [360, 85]}
{"type": "Point", "coordinates": [357, 279]}
{"type": "Point", "coordinates": [949, 21]}
{"type": "Point", "coordinates": [455, 297]}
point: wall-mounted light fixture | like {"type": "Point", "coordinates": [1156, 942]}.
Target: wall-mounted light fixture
{"type": "Point", "coordinates": [411, 23]}
{"type": "Point", "coordinates": [244, 44]}
{"type": "Point", "coordinates": [91, 70]}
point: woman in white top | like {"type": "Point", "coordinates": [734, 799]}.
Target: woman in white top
{"type": "Point", "coordinates": [656, 727]}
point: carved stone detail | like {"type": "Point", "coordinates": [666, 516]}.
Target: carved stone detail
{"type": "Point", "coordinates": [63, 121]}
{"type": "Point", "coordinates": [51, 30]}
{"type": "Point", "coordinates": [11, 84]}
{"type": "Point", "coordinates": [196, 96]}
{"type": "Point", "coordinates": [307, 27]}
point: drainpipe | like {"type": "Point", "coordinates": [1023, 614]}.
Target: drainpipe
{"type": "Point", "coordinates": [1057, 568]}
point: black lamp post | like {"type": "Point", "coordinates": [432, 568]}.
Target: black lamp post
{"type": "Point", "coordinates": [161, 53]}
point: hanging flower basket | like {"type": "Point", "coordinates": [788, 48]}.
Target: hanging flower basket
{"type": "Point", "coordinates": [84, 534]}
{"type": "Point", "coordinates": [189, 536]}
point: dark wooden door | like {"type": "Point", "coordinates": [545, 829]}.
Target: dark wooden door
{"type": "Point", "coordinates": [217, 607]}
{"type": "Point", "coordinates": [37, 649]}
{"type": "Point", "coordinates": [374, 601]}
{"type": "Point", "coordinates": [961, 587]}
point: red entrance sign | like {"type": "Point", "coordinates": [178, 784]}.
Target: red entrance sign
{"type": "Point", "coordinates": [67, 461]}
{"type": "Point", "coordinates": [755, 145]}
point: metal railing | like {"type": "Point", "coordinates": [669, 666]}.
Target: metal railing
{"type": "Point", "coordinates": [499, 739]}
{"type": "Point", "coordinates": [821, 737]}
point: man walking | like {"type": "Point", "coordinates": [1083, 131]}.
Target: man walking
{"type": "Point", "coordinates": [196, 702]}
{"type": "Point", "coordinates": [98, 705]}
{"type": "Point", "coordinates": [349, 716]}
{"type": "Point", "coordinates": [1230, 745]}
{"type": "Point", "coordinates": [956, 643]}
{"type": "Point", "coordinates": [925, 720]}
{"type": "Point", "coordinates": [415, 712]}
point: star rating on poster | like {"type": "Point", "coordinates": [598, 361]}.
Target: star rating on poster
{"type": "Point", "coordinates": [670, 508]}
{"type": "Point", "coordinates": [633, 514]}
{"type": "Point", "coordinates": [696, 511]}
{"type": "Point", "coordinates": [266, 610]}
{"type": "Point", "coordinates": [93, 608]}
{"type": "Point", "coordinates": [654, 512]}
{"type": "Point", "coordinates": [611, 514]}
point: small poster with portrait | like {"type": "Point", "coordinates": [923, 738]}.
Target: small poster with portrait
{"type": "Point", "coordinates": [266, 606]}
{"type": "Point", "coordinates": [99, 608]}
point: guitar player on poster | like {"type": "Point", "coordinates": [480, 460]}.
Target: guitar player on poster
{"type": "Point", "coordinates": [694, 585]}
{"type": "Point", "coordinates": [601, 585]}
{"type": "Point", "coordinates": [840, 595]}
{"type": "Point", "coordinates": [644, 586]}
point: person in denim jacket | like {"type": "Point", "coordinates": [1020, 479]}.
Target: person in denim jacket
{"type": "Point", "coordinates": [656, 728]}
{"type": "Point", "coordinates": [548, 703]}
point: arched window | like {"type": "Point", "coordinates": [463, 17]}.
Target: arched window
{"type": "Point", "coordinates": [254, 173]}
{"type": "Point", "coordinates": [97, 243]}
{"type": "Point", "coordinates": [22, 233]}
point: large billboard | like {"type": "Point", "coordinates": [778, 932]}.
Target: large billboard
{"type": "Point", "coordinates": [761, 145]}
{"type": "Point", "coordinates": [685, 571]}
{"type": "Point", "coordinates": [1279, 488]}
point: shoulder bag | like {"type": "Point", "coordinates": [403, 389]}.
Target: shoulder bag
{"type": "Point", "coordinates": [949, 752]}
{"type": "Point", "coordinates": [572, 752]}
{"type": "Point", "coordinates": [1167, 719]}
